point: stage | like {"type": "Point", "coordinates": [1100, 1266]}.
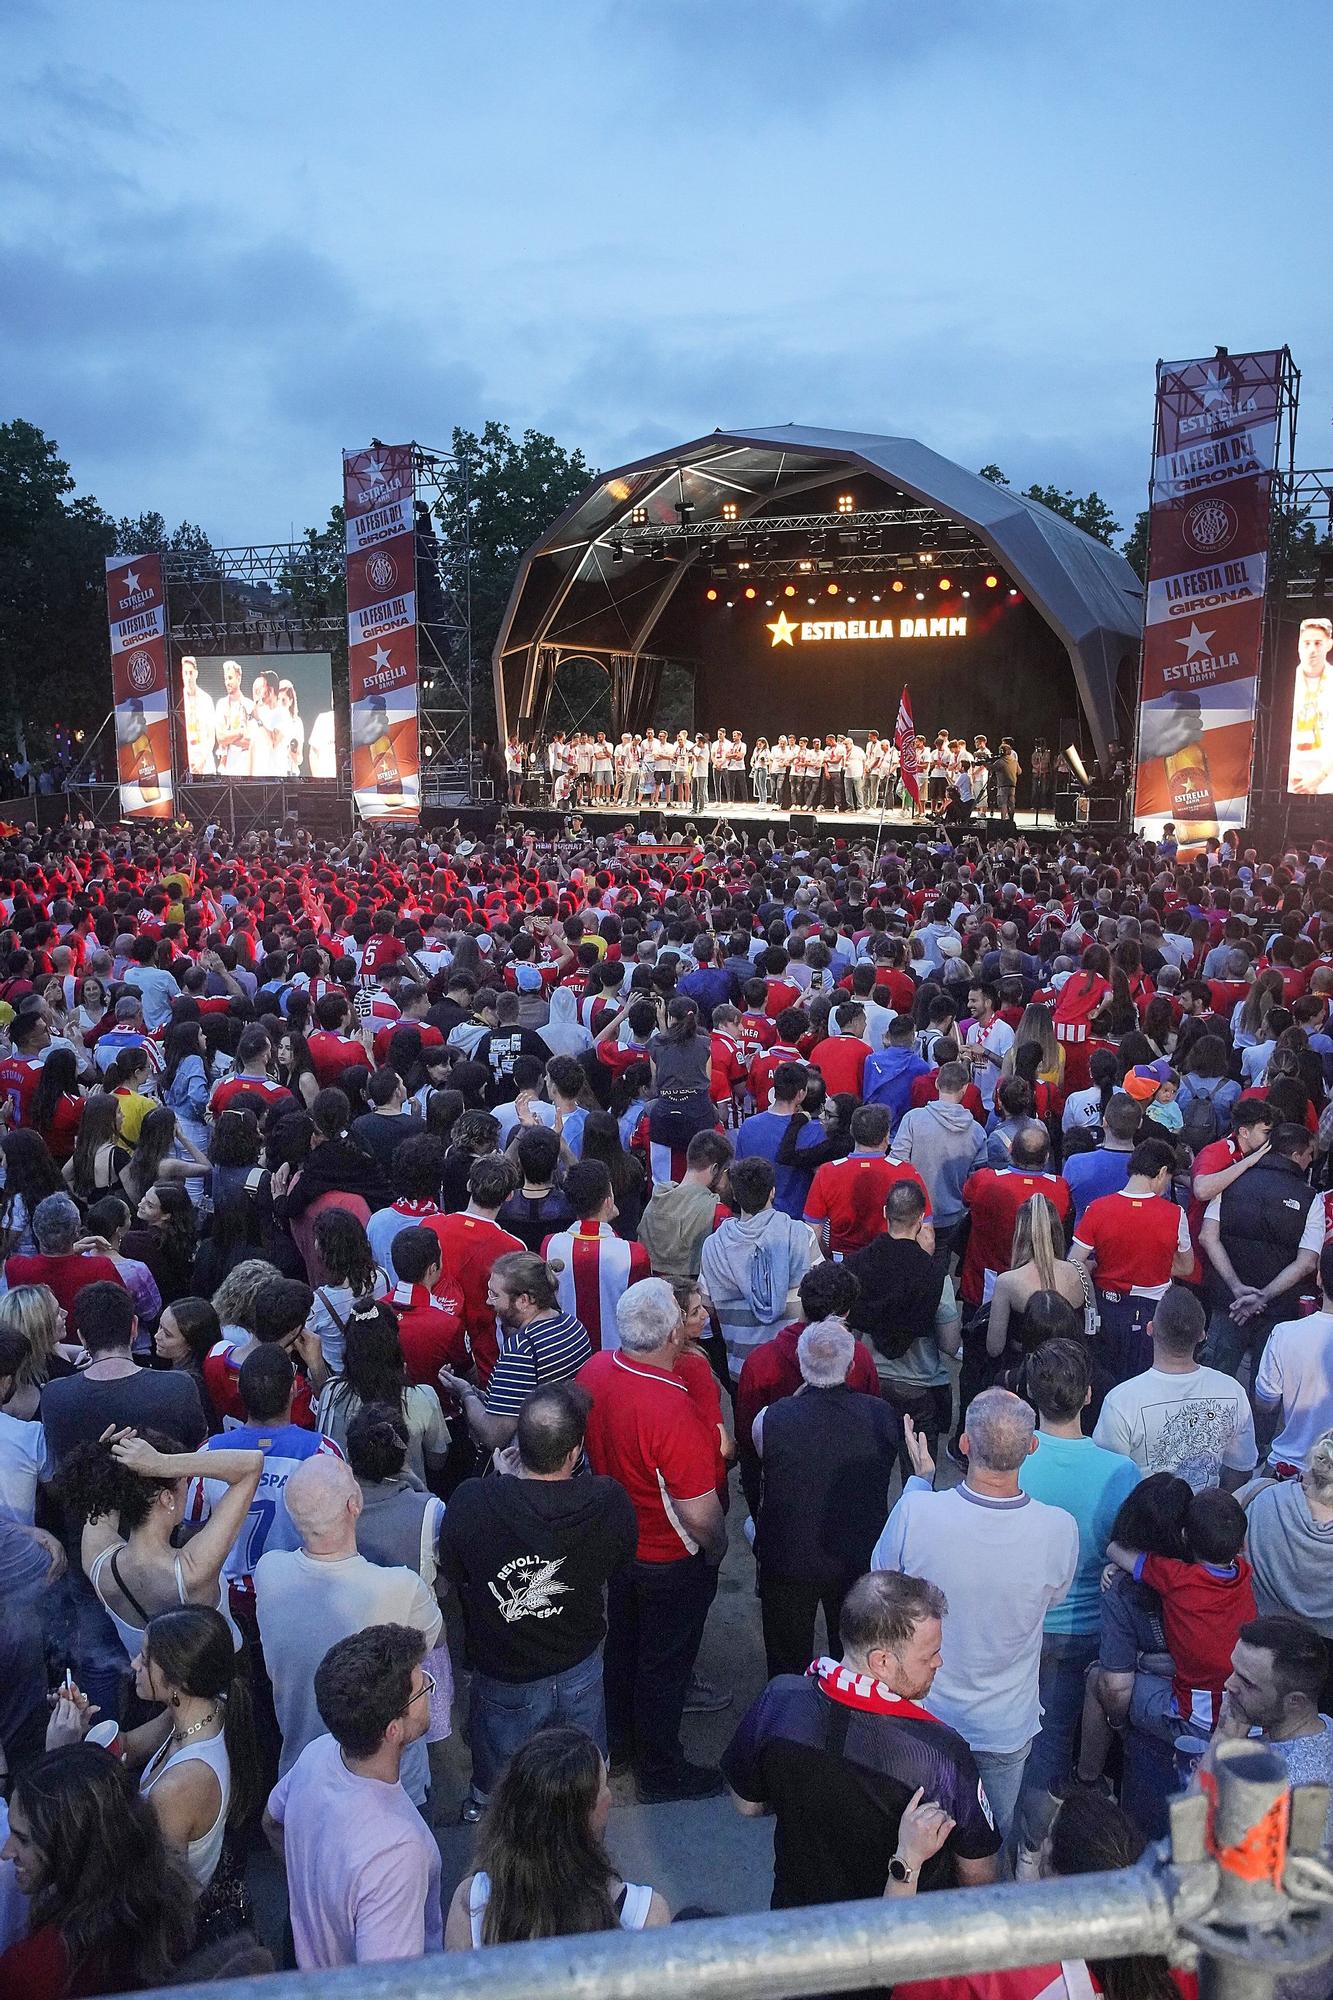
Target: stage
{"type": "Point", "coordinates": [757, 822]}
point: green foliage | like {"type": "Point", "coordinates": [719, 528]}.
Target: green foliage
{"type": "Point", "coordinates": [53, 549]}
{"type": "Point", "coordinates": [994, 474]}
{"type": "Point", "coordinates": [316, 584]}
{"type": "Point", "coordinates": [149, 532]}
{"type": "Point", "coordinates": [1134, 548]}
{"type": "Point", "coordinates": [1087, 511]}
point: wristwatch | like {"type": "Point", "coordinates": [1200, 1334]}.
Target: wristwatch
{"type": "Point", "coordinates": [899, 1869]}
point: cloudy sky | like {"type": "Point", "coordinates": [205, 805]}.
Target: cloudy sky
{"type": "Point", "coordinates": [235, 238]}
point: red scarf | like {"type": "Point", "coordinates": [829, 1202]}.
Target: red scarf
{"type": "Point", "coordinates": [852, 1690]}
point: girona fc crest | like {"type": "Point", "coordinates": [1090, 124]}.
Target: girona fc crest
{"type": "Point", "coordinates": [141, 670]}
{"type": "Point", "coordinates": [1210, 525]}
{"type": "Point", "coordinates": [381, 571]}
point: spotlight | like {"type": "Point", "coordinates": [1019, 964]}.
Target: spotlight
{"type": "Point", "coordinates": [768, 603]}
{"type": "Point", "coordinates": [789, 590]}
{"type": "Point", "coordinates": [1013, 593]}
{"type": "Point", "coordinates": [967, 593]}
{"type": "Point", "coordinates": [874, 597]}
{"type": "Point", "coordinates": [945, 583]}
{"type": "Point", "coordinates": [711, 595]}
{"type": "Point", "coordinates": [818, 544]}
{"type": "Point", "coordinates": [897, 586]}
{"type": "Point", "coordinates": [921, 597]}
{"type": "Point", "coordinates": [832, 589]}
{"type": "Point", "coordinates": [617, 552]}
{"type": "Point", "coordinates": [804, 567]}
{"type": "Point", "coordinates": [430, 749]}
{"type": "Point", "coordinates": [926, 558]}
{"type": "Point", "coordinates": [731, 604]}
{"type": "Point", "coordinates": [750, 590]}
{"type": "Point", "coordinates": [992, 583]}
{"type": "Point", "coordinates": [730, 511]}
{"type": "Point", "coordinates": [683, 509]}
{"type": "Point", "coordinates": [638, 517]}
{"type": "Point", "coordinates": [846, 503]}
{"type": "Point", "coordinates": [742, 565]}
{"type": "Point", "coordinates": [809, 600]}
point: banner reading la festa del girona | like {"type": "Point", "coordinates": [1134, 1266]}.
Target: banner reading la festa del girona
{"type": "Point", "coordinates": [1208, 545]}
{"type": "Point", "coordinates": [137, 616]}
{"type": "Point", "coordinates": [378, 493]}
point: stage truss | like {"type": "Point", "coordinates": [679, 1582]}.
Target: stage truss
{"type": "Point", "coordinates": [268, 598]}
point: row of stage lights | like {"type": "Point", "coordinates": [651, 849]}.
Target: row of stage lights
{"type": "Point", "coordinates": [943, 584]}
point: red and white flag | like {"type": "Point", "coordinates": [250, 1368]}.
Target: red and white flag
{"type": "Point", "coordinates": [904, 737]}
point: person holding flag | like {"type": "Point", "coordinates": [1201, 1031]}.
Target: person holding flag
{"type": "Point", "coordinates": [907, 743]}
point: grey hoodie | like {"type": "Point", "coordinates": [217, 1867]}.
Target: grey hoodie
{"type": "Point", "coordinates": [944, 1142]}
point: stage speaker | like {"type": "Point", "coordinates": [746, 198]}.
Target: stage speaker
{"type": "Point", "coordinates": [803, 824]}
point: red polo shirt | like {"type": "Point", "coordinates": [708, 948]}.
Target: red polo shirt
{"type": "Point", "coordinates": [233, 1087]}
{"type": "Point", "coordinates": [1134, 1238]}
{"type": "Point", "coordinates": [331, 1054]}
{"type": "Point", "coordinates": [430, 1330]}
{"type": "Point", "coordinates": [926, 1090]}
{"type": "Point", "coordinates": [469, 1245]}
{"type": "Point", "coordinates": [66, 1274]}
{"type": "Point", "coordinates": [647, 1431]}
{"type": "Point", "coordinates": [994, 1196]}
{"type": "Point", "coordinates": [772, 1371]}
{"type": "Point", "coordinates": [841, 1061]}
{"type": "Point", "coordinates": [850, 1195]}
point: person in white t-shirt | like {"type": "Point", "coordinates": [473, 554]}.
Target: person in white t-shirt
{"type": "Point", "coordinates": [1006, 1557]}
{"type": "Point", "coordinates": [1178, 1416]}
{"type": "Point", "coordinates": [363, 1869]}
{"type": "Point", "coordinates": [1295, 1375]}
{"type": "Point", "coordinates": [988, 1039]}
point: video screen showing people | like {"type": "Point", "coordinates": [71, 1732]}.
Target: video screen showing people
{"type": "Point", "coordinates": [258, 715]}
{"type": "Point", "coordinates": [1310, 769]}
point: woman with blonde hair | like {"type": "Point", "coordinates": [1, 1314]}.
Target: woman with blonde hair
{"type": "Point", "coordinates": [1037, 1026]}
{"type": "Point", "coordinates": [33, 1312]}
{"type": "Point", "coordinates": [1037, 1263]}
{"type": "Point", "coordinates": [1248, 1015]}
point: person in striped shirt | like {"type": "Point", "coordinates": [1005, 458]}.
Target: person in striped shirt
{"type": "Point", "coordinates": [594, 1265]}
{"type": "Point", "coordinates": [538, 1343]}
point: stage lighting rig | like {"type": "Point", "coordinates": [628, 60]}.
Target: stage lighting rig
{"type": "Point", "coordinates": [818, 544]}
{"type": "Point", "coordinates": [846, 503]}
{"type": "Point", "coordinates": [683, 510]}
{"type": "Point", "coordinates": [617, 552]}
{"type": "Point", "coordinates": [730, 511]}
{"type": "Point", "coordinates": [638, 517]}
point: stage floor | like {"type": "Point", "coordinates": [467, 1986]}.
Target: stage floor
{"type": "Point", "coordinates": [756, 820]}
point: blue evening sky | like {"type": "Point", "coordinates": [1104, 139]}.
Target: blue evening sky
{"type": "Point", "coordinates": [234, 238]}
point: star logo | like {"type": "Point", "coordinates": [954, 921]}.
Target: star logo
{"type": "Point", "coordinates": [1215, 389]}
{"type": "Point", "coordinates": [782, 629]}
{"type": "Point", "coordinates": [374, 472]}
{"type": "Point", "coordinates": [1196, 643]}
{"type": "Point", "coordinates": [381, 657]}
{"type": "Point", "coordinates": [131, 581]}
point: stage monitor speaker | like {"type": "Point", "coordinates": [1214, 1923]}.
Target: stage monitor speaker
{"type": "Point", "coordinates": [651, 826]}
{"type": "Point", "coordinates": [806, 825]}
{"type": "Point", "coordinates": [527, 729]}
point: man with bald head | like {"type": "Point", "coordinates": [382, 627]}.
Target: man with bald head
{"type": "Point", "coordinates": [309, 1598]}
{"type": "Point", "coordinates": [1002, 1559]}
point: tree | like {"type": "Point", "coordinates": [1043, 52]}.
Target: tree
{"type": "Point", "coordinates": [505, 492]}
{"type": "Point", "coordinates": [1087, 511]}
{"type": "Point", "coordinates": [1134, 548]}
{"type": "Point", "coordinates": [142, 533]}
{"type": "Point", "coordinates": [315, 582]}
{"type": "Point", "coordinates": [54, 663]}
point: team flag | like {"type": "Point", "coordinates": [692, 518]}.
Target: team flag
{"type": "Point", "coordinates": [904, 737]}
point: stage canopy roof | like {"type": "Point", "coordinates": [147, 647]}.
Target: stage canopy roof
{"type": "Point", "coordinates": [600, 580]}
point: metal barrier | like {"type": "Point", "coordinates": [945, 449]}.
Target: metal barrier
{"type": "Point", "coordinates": [1240, 1891]}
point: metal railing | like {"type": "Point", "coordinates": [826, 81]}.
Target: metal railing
{"type": "Point", "coordinates": [1240, 1890]}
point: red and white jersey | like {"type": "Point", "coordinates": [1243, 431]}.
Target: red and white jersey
{"type": "Point", "coordinates": [598, 1266]}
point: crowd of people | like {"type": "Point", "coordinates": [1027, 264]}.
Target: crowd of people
{"type": "Point", "coordinates": [427, 1260]}
{"type": "Point", "coordinates": [840, 773]}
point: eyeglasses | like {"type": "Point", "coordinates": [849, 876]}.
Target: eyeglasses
{"type": "Point", "coordinates": [428, 1686]}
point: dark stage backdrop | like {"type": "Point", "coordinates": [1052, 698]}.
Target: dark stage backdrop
{"type": "Point", "coordinates": [1008, 676]}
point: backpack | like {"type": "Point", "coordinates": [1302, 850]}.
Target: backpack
{"type": "Point", "coordinates": [1201, 1122]}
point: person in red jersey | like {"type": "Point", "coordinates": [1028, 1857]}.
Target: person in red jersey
{"type": "Point", "coordinates": [252, 1075]}
{"type": "Point", "coordinates": [791, 1025]}
{"type": "Point", "coordinates": [994, 1196]}
{"type": "Point", "coordinates": [469, 1244]}
{"type": "Point", "coordinates": [429, 1310]}
{"type": "Point", "coordinates": [845, 1204]}
{"type": "Point", "coordinates": [331, 1049]}
{"type": "Point", "coordinates": [1136, 1241]}
{"type": "Point", "coordinates": [841, 1058]}
{"type": "Point", "coordinates": [20, 1071]}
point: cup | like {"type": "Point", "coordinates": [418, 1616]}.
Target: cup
{"type": "Point", "coordinates": [107, 1737]}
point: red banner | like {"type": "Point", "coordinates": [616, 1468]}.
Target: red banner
{"type": "Point", "coordinates": [379, 489]}
{"type": "Point", "coordinates": [1208, 536]}
{"type": "Point", "coordinates": [137, 616]}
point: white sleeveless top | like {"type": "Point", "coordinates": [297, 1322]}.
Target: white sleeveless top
{"type": "Point", "coordinates": [635, 1902]}
{"type": "Point", "coordinates": [202, 1855]}
{"type": "Point", "coordinates": [131, 1636]}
